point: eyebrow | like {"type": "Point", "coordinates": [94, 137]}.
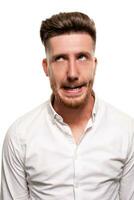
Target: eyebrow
{"type": "Point", "coordinates": [90, 54]}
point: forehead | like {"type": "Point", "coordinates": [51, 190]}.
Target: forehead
{"type": "Point", "coordinates": [69, 43]}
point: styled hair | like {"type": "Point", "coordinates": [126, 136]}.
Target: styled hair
{"type": "Point", "coordinates": [67, 22]}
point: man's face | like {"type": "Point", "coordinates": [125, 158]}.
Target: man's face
{"type": "Point", "coordinates": [70, 65]}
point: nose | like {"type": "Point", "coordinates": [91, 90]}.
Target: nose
{"type": "Point", "coordinates": [72, 74]}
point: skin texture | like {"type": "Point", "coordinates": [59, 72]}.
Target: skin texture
{"type": "Point", "coordinates": [70, 65]}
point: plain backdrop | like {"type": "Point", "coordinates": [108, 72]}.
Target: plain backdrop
{"type": "Point", "coordinates": [23, 84]}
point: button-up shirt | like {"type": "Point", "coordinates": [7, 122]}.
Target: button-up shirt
{"type": "Point", "coordinates": [41, 160]}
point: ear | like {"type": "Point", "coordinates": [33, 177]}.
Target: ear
{"type": "Point", "coordinates": [45, 66]}
{"type": "Point", "coordinates": [95, 63]}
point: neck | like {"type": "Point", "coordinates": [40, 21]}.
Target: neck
{"type": "Point", "coordinates": [73, 116]}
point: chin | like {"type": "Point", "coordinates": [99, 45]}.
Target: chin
{"type": "Point", "coordinates": [74, 102]}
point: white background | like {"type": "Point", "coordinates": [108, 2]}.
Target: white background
{"type": "Point", "coordinates": [23, 84]}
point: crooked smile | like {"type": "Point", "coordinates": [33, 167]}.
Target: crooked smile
{"type": "Point", "coordinates": [74, 90]}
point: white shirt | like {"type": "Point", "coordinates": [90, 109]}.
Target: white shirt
{"type": "Point", "coordinates": [41, 160]}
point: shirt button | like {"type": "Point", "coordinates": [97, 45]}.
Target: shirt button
{"type": "Point", "coordinates": [75, 157]}
{"type": "Point", "coordinates": [76, 185]}
{"type": "Point", "coordinates": [59, 118]}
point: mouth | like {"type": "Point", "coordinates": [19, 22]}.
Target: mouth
{"type": "Point", "coordinates": [74, 89]}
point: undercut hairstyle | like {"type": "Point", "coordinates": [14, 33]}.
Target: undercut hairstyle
{"type": "Point", "coordinates": [65, 23]}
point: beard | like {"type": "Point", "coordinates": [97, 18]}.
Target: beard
{"type": "Point", "coordinates": [72, 102]}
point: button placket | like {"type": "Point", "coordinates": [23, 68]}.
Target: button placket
{"type": "Point", "coordinates": [76, 168]}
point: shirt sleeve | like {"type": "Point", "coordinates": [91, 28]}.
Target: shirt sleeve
{"type": "Point", "coordinates": [13, 177]}
{"type": "Point", "coordinates": [127, 181]}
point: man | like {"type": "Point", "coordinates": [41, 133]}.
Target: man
{"type": "Point", "coordinates": [74, 146]}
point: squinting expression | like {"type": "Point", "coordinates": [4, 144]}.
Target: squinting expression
{"type": "Point", "coordinates": [71, 66]}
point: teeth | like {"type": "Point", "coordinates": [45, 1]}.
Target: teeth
{"type": "Point", "coordinates": [72, 88]}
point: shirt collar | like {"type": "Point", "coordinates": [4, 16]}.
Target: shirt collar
{"type": "Point", "coordinates": [95, 108]}
{"type": "Point", "coordinates": [53, 114]}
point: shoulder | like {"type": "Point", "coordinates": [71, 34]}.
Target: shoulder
{"type": "Point", "coordinates": [112, 111]}
{"type": "Point", "coordinates": [22, 127]}
{"type": "Point", "coordinates": [116, 117]}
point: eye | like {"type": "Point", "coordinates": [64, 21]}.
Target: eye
{"type": "Point", "coordinates": [59, 59]}
{"type": "Point", "coordinates": [82, 57]}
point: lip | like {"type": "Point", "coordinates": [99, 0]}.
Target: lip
{"type": "Point", "coordinates": [74, 91]}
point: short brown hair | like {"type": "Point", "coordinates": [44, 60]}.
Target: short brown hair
{"type": "Point", "coordinates": [67, 22]}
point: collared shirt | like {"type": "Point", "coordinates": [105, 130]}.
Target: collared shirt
{"type": "Point", "coordinates": [41, 160]}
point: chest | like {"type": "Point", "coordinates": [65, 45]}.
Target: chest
{"type": "Point", "coordinates": [56, 162]}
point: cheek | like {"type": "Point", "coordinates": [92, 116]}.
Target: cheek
{"type": "Point", "coordinates": [92, 72]}
{"type": "Point", "coordinates": [55, 78]}
{"type": "Point", "coordinates": [57, 73]}
{"type": "Point", "coordinates": [88, 72]}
